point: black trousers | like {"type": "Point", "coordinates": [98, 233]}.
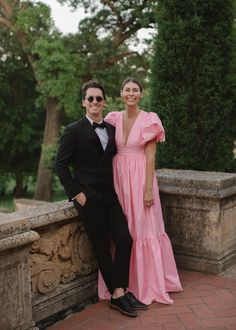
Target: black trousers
{"type": "Point", "coordinates": [104, 222]}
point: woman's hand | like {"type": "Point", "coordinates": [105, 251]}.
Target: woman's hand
{"type": "Point", "coordinates": [81, 198]}
{"type": "Point", "coordinates": [148, 197]}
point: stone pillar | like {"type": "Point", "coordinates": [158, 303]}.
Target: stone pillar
{"type": "Point", "coordinates": [15, 290]}
{"type": "Point", "coordinates": [199, 210]}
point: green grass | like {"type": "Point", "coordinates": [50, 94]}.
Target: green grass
{"type": "Point", "coordinates": [7, 201]}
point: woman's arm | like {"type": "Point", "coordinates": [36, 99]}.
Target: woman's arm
{"type": "Point", "coordinates": [150, 153]}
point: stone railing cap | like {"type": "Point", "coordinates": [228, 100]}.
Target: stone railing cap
{"type": "Point", "coordinates": [52, 213]}
{"type": "Point", "coordinates": [197, 183]}
{"type": "Point", "coordinates": [21, 221]}
{"type": "Point", "coordinates": [12, 224]}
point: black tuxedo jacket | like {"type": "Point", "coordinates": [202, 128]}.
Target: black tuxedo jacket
{"type": "Point", "coordinates": [81, 163]}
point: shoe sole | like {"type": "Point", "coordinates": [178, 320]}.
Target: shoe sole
{"type": "Point", "coordinates": [141, 308]}
{"type": "Point", "coordinates": [121, 310]}
{"type": "Point", "coordinates": [144, 308]}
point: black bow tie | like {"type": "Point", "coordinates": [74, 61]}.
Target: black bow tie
{"type": "Point", "coordinates": [101, 125]}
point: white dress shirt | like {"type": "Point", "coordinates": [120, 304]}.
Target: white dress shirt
{"type": "Point", "coordinates": [101, 132]}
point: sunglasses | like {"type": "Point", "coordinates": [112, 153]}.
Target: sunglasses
{"type": "Point", "coordinates": [98, 99]}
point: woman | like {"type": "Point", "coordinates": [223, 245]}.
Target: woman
{"type": "Point", "coordinates": [153, 270]}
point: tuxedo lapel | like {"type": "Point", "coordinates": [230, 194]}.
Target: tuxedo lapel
{"type": "Point", "coordinates": [90, 132]}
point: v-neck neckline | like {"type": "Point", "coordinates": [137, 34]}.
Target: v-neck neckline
{"type": "Point", "coordinates": [131, 129]}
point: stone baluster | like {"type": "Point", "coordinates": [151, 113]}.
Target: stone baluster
{"type": "Point", "coordinates": [15, 290]}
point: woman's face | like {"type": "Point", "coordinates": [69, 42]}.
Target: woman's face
{"type": "Point", "coordinates": [131, 94]}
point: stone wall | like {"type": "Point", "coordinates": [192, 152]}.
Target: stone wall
{"type": "Point", "coordinates": [199, 210]}
{"type": "Point", "coordinates": [46, 266]}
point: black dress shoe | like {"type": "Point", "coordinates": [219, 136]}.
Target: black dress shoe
{"type": "Point", "coordinates": [134, 302]}
{"type": "Point", "coordinates": [122, 305]}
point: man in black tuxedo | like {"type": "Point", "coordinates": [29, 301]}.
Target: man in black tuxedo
{"type": "Point", "coordinates": [88, 146]}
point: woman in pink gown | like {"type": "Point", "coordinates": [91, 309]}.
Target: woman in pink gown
{"type": "Point", "coordinates": [153, 271]}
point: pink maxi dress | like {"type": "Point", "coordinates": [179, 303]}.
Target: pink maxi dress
{"type": "Point", "coordinates": [153, 271]}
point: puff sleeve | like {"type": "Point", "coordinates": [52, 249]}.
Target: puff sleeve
{"type": "Point", "coordinates": [151, 128]}
{"type": "Point", "coordinates": [112, 118]}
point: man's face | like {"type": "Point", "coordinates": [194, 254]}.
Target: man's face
{"type": "Point", "coordinates": [94, 103]}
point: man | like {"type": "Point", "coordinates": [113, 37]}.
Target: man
{"type": "Point", "coordinates": [88, 146]}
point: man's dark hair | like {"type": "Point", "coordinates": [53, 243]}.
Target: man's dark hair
{"type": "Point", "coordinates": [92, 84]}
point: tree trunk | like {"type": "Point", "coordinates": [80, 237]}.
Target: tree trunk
{"type": "Point", "coordinates": [44, 187]}
{"type": "Point", "coordinates": [18, 190]}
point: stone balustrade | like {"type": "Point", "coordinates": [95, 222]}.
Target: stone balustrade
{"type": "Point", "coordinates": [199, 209]}
{"type": "Point", "coordinates": [47, 268]}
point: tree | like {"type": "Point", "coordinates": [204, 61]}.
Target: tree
{"type": "Point", "coordinates": [30, 22]}
{"type": "Point", "coordinates": [119, 20]}
{"type": "Point", "coordinates": [59, 74]}
{"type": "Point", "coordinates": [55, 65]}
{"type": "Point", "coordinates": [114, 26]}
{"type": "Point", "coordinates": [21, 122]}
{"type": "Point", "coordinates": [192, 85]}
{"type": "Point", "coordinates": [107, 52]}
{"type": "Point", "coordinates": [53, 69]}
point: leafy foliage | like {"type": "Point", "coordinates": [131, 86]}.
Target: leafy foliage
{"type": "Point", "coordinates": [55, 70]}
{"type": "Point", "coordinates": [34, 20]}
{"type": "Point", "coordinates": [192, 84]}
{"type": "Point", "coordinates": [54, 67]}
{"type": "Point", "coordinates": [105, 36]}
{"type": "Point", "coordinates": [48, 153]}
{"type": "Point", "coordinates": [21, 122]}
